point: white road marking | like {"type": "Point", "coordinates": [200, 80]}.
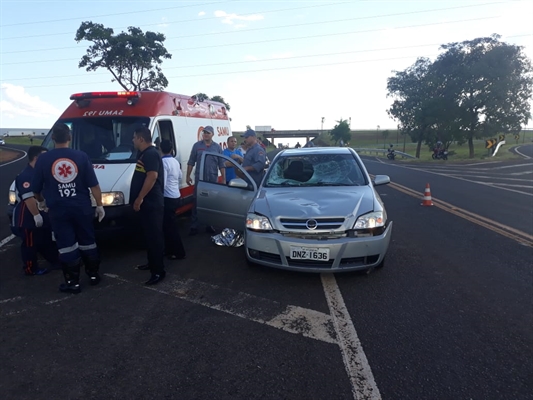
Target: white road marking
{"type": "Point", "coordinates": [18, 159]}
{"type": "Point", "coordinates": [57, 300]}
{"type": "Point", "coordinates": [6, 240]}
{"type": "Point", "coordinates": [17, 298]}
{"type": "Point", "coordinates": [522, 154]}
{"type": "Point", "coordinates": [355, 361]}
{"type": "Point", "coordinates": [297, 320]}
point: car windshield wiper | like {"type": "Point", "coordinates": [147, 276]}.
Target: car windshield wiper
{"type": "Point", "coordinates": [271, 184]}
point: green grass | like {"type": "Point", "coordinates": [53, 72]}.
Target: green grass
{"type": "Point", "coordinates": [37, 140]}
{"type": "Point", "coordinates": [376, 140]}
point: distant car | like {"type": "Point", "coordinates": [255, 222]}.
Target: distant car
{"type": "Point", "coordinates": [2, 142]}
{"type": "Point", "coordinates": [315, 211]}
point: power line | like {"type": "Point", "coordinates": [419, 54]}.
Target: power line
{"type": "Point", "coordinates": [250, 71]}
{"type": "Point", "coordinates": [112, 15]}
{"type": "Point", "coordinates": [189, 20]}
{"type": "Point", "coordinates": [247, 62]}
{"type": "Point", "coordinates": [271, 27]}
{"type": "Point", "coordinates": [297, 38]}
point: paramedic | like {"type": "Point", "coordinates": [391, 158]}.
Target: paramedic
{"type": "Point", "coordinates": [61, 182]}
{"type": "Point", "coordinates": [146, 193]}
{"type": "Point", "coordinates": [31, 225]}
{"type": "Point", "coordinates": [213, 164]}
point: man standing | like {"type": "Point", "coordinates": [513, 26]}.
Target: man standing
{"type": "Point", "coordinates": [172, 177]}
{"type": "Point", "coordinates": [63, 177]}
{"type": "Point", "coordinates": [210, 170]}
{"type": "Point", "coordinates": [146, 193]}
{"type": "Point", "coordinates": [255, 157]}
{"type": "Point", "coordinates": [32, 226]}
{"type": "Point", "coordinates": [235, 153]}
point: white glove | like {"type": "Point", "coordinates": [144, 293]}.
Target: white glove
{"type": "Point", "coordinates": [41, 205]}
{"type": "Point", "coordinates": [38, 220]}
{"type": "Point", "coordinates": [99, 213]}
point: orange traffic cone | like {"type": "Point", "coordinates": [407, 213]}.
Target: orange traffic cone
{"type": "Point", "coordinates": [427, 197]}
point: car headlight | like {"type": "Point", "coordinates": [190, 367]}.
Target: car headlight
{"type": "Point", "coordinates": [110, 199]}
{"type": "Point", "coordinates": [371, 220]}
{"type": "Point", "coordinates": [12, 197]}
{"type": "Point", "coordinates": [258, 223]}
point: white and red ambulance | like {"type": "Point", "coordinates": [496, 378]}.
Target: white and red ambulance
{"type": "Point", "coordinates": [102, 125]}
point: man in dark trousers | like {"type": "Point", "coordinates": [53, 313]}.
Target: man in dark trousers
{"type": "Point", "coordinates": [64, 177]}
{"type": "Point", "coordinates": [29, 223]}
{"type": "Point", "coordinates": [146, 196]}
{"type": "Point", "coordinates": [211, 170]}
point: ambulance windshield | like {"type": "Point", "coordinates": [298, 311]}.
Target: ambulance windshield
{"type": "Point", "coordinates": [105, 140]}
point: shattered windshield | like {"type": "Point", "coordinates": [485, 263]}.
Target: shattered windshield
{"type": "Point", "coordinates": [316, 170]}
{"type": "Point", "coordinates": [105, 140]}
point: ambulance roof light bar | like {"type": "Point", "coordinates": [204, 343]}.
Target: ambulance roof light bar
{"type": "Point", "coordinates": [84, 99]}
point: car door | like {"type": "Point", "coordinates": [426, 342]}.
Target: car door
{"type": "Point", "coordinates": [221, 205]}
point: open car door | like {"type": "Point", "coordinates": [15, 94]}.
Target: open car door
{"type": "Point", "coordinates": [221, 205]}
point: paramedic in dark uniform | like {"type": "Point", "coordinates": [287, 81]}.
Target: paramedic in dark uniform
{"type": "Point", "coordinates": [63, 181]}
{"type": "Point", "coordinates": [29, 223]}
{"type": "Point", "coordinates": [146, 196]}
{"type": "Point", "coordinates": [211, 170]}
{"type": "Point", "coordinates": [255, 158]}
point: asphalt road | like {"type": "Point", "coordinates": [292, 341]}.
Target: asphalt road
{"type": "Point", "coordinates": [449, 317]}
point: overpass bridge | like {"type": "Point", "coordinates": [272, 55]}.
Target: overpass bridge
{"type": "Point", "coordinates": [272, 135]}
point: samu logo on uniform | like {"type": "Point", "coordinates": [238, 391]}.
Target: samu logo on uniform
{"type": "Point", "coordinates": [64, 170]}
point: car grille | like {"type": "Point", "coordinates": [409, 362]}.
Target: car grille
{"type": "Point", "coordinates": [309, 263]}
{"type": "Point", "coordinates": [359, 260]}
{"type": "Point", "coordinates": [263, 256]}
{"type": "Point", "coordinates": [322, 223]}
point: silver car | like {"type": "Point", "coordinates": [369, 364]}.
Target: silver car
{"type": "Point", "coordinates": [315, 211]}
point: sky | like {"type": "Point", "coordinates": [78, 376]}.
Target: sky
{"type": "Point", "coordinates": [285, 64]}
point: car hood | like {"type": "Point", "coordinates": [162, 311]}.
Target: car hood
{"type": "Point", "coordinates": [314, 202]}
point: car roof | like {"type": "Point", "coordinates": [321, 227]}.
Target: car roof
{"type": "Point", "coordinates": [315, 150]}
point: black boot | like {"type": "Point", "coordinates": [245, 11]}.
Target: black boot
{"type": "Point", "coordinates": [71, 272]}
{"type": "Point", "coordinates": [91, 269]}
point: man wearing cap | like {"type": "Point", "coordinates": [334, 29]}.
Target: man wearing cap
{"type": "Point", "coordinates": [255, 157]}
{"type": "Point", "coordinates": [213, 165]}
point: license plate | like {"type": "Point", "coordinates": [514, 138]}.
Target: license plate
{"type": "Point", "coordinates": [309, 253]}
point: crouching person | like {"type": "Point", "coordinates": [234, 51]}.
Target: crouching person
{"type": "Point", "coordinates": [63, 177]}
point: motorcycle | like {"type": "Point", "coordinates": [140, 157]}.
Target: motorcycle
{"type": "Point", "coordinates": [390, 153]}
{"type": "Point", "coordinates": [439, 154]}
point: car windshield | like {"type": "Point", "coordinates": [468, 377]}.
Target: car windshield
{"type": "Point", "coordinates": [315, 170]}
{"type": "Point", "coordinates": [105, 140]}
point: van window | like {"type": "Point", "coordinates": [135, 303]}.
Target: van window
{"type": "Point", "coordinates": [166, 132]}
{"type": "Point", "coordinates": [105, 140]}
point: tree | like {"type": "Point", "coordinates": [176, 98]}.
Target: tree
{"type": "Point", "coordinates": [132, 57]}
{"type": "Point", "coordinates": [491, 82]}
{"type": "Point", "coordinates": [220, 99]}
{"type": "Point", "coordinates": [417, 102]}
{"type": "Point", "coordinates": [341, 131]}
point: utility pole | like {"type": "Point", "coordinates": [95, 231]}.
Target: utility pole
{"type": "Point", "coordinates": [377, 135]}
{"type": "Point", "coordinates": [322, 125]}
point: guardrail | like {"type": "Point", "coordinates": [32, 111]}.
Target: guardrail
{"type": "Point", "coordinates": [383, 151]}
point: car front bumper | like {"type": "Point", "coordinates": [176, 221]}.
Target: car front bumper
{"type": "Point", "coordinates": [345, 254]}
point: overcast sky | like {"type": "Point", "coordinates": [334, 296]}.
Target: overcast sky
{"type": "Point", "coordinates": [285, 64]}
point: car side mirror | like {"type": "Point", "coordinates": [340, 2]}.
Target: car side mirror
{"type": "Point", "coordinates": [238, 183]}
{"type": "Point", "coordinates": [380, 180]}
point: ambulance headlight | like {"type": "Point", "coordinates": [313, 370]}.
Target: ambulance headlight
{"type": "Point", "coordinates": [12, 197]}
{"type": "Point", "coordinates": [113, 198]}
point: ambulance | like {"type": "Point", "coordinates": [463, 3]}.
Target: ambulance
{"type": "Point", "coordinates": [102, 125]}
